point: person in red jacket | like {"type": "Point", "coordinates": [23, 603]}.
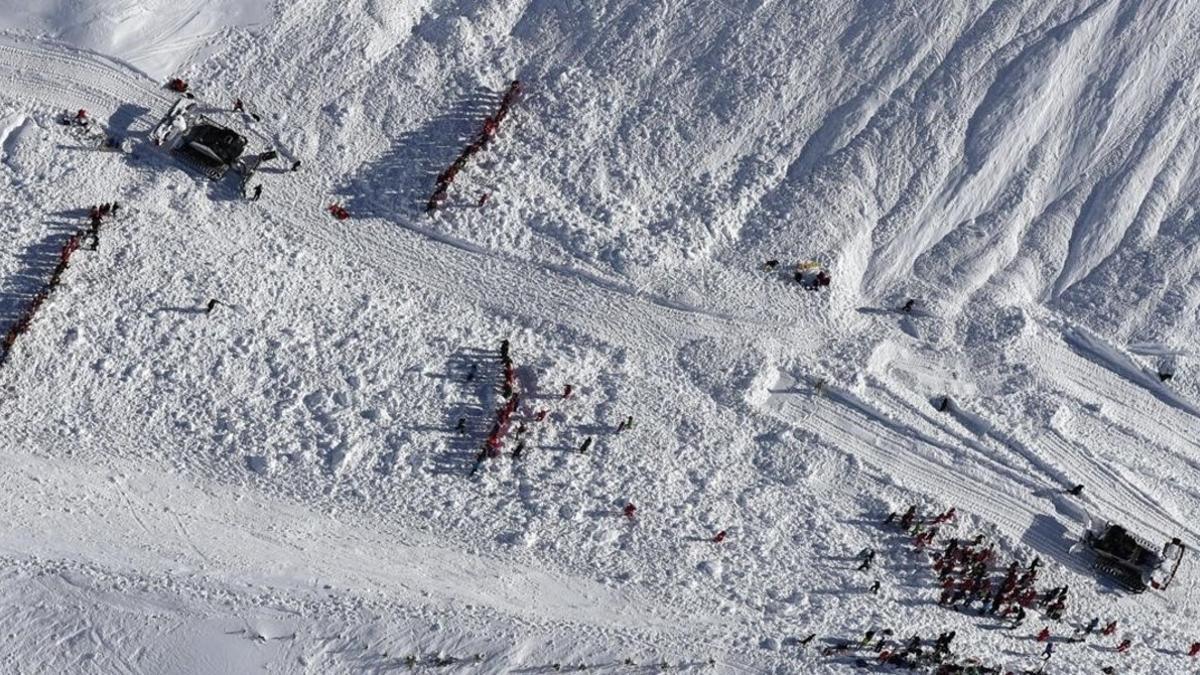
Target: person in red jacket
{"type": "Point", "coordinates": [1194, 650]}
{"type": "Point", "coordinates": [719, 537]}
{"type": "Point", "coordinates": [1124, 646]}
{"type": "Point", "coordinates": [630, 511]}
{"type": "Point", "coordinates": [1110, 628]}
{"type": "Point", "coordinates": [1044, 635]}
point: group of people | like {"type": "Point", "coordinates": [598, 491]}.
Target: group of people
{"type": "Point", "coordinates": [810, 275]}
{"type": "Point", "coordinates": [491, 126]}
{"type": "Point", "coordinates": [23, 322]}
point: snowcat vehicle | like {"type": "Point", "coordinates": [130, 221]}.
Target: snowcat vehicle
{"type": "Point", "coordinates": [1131, 561]}
{"type": "Point", "coordinates": [200, 142]}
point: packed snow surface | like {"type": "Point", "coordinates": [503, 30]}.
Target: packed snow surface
{"type": "Point", "coordinates": [281, 484]}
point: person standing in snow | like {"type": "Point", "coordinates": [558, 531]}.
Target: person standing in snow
{"type": "Point", "coordinates": [212, 305]}
{"type": "Point", "coordinates": [1110, 628]}
{"type": "Point", "coordinates": [516, 454]}
{"type": "Point", "coordinates": [567, 391]}
{"type": "Point", "coordinates": [868, 556]}
{"type": "Point", "coordinates": [295, 166]}
{"type": "Point", "coordinates": [1124, 646]}
{"type": "Point", "coordinates": [874, 588]}
{"type": "Point", "coordinates": [1074, 490]}
{"type": "Point", "coordinates": [1194, 649]}
{"type": "Point", "coordinates": [461, 427]}
{"type": "Point", "coordinates": [908, 306]}
{"type": "Point", "coordinates": [587, 443]}
{"type": "Point", "coordinates": [257, 192]}
{"type": "Point", "coordinates": [630, 510]}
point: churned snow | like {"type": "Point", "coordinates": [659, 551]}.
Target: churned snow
{"type": "Point", "coordinates": [279, 484]}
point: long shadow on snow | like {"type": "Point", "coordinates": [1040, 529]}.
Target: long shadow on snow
{"type": "Point", "coordinates": [477, 405]}
{"type": "Point", "coordinates": [397, 184]}
{"type": "Point", "coordinates": [35, 265]}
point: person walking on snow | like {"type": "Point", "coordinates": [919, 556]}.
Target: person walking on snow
{"type": "Point", "coordinates": [1044, 635]}
{"type": "Point", "coordinates": [1074, 490]}
{"type": "Point", "coordinates": [1124, 646]}
{"type": "Point", "coordinates": [587, 443]}
{"type": "Point", "coordinates": [1194, 649]}
{"type": "Point", "coordinates": [866, 561]}
{"type": "Point", "coordinates": [719, 537]}
{"type": "Point", "coordinates": [257, 192]}
{"type": "Point", "coordinates": [567, 391]}
{"type": "Point", "coordinates": [211, 305]}
{"type": "Point", "coordinates": [1110, 628]}
{"type": "Point", "coordinates": [630, 511]}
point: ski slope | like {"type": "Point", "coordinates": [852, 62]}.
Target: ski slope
{"type": "Point", "coordinates": [278, 484]}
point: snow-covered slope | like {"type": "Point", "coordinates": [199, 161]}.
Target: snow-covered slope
{"type": "Point", "coordinates": [279, 483]}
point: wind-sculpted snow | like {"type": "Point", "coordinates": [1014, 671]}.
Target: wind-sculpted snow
{"type": "Point", "coordinates": [281, 481]}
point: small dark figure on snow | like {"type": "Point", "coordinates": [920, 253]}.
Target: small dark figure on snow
{"type": "Point", "coordinates": [1110, 628]}
{"type": "Point", "coordinates": [630, 511]}
{"type": "Point", "coordinates": [257, 192]}
{"type": "Point", "coordinates": [567, 391]}
{"type": "Point", "coordinates": [212, 305]}
{"type": "Point", "coordinates": [719, 537]}
{"type": "Point", "coordinates": [483, 199]}
{"type": "Point", "coordinates": [868, 557]}
{"type": "Point", "coordinates": [874, 587]}
{"type": "Point", "coordinates": [237, 105]}
{"type": "Point", "coordinates": [518, 450]}
{"type": "Point", "coordinates": [461, 427]}
{"type": "Point", "coordinates": [626, 424]}
{"type": "Point", "coordinates": [587, 443]}
{"type": "Point", "coordinates": [1124, 646]}
{"type": "Point", "coordinates": [296, 165]}
{"type": "Point", "coordinates": [771, 265]}
{"type": "Point", "coordinates": [908, 306]}
{"type": "Point", "coordinates": [1074, 490]}
{"type": "Point", "coordinates": [471, 372]}
{"type": "Point", "coordinates": [1194, 649]}
{"type": "Point", "coordinates": [177, 85]}
{"type": "Point", "coordinates": [809, 638]}
{"type": "Point", "coordinates": [1164, 376]}
{"type": "Point", "coordinates": [944, 404]}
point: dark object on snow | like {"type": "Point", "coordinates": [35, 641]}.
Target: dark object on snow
{"type": "Point", "coordinates": [296, 165]}
{"type": "Point", "coordinates": [177, 85]}
{"type": "Point", "coordinates": [211, 305]}
{"type": "Point", "coordinates": [908, 306]}
{"type": "Point", "coordinates": [211, 146]}
{"type": "Point", "coordinates": [237, 105]}
{"type": "Point", "coordinates": [267, 156]}
{"type": "Point", "coordinates": [483, 198]}
{"type": "Point", "coordinates": [944, 405]}
{"type": "Point", "coordinates": [518, 450]}
{"type": "Point", "coordinates": [1165, 376]}
{"type": "Point", "coordinates": [471, 372]}
{"type": "Point", "coordinates": [1075, 490]}
{"type": "Point", "coordinates": [1131, 561]}
{"type": "Point", "coordinates": [257, 192]}
{"type": "Point", "coordinates": [771, 265]}
{"type": "Point", "coordinates": [461, 427]}
{"type": "Point", "coordinates": [630, 511]}
{"type": "Point", "coordinates": [567, 391]}
{"type": "Point", "coordinates": [587, 443]}
{"type": "Point", "coordinates": [874, 588]}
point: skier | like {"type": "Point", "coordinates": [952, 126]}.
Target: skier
{"type": "Point", "coordinates": [805, 640]}
{"type": "Point", "coordinates": [1048, 652]}
{"type": "Point", "coordinates": [296, 165]}
{"type": "Point", "coordinates": [874, 587]}
{"type": "Point", "coordinates": [1124, 646]}
{"type": "Point", "coordinates": [944, 405]}
{"type": "Point", "coordinates": [630, 510]}
{"type": "Point", "coordinates": [483, 199]}
{"type": "Point", "coordinates": [1074, 490]}
{"type": "Point", "coordinates": [627, 424]}
{"type": "Point", "coordinates": [1194, 650]}
{"type": "Point", "coordinates": [567, 391]}
{"type": "Point", "coordinates": [518, 450]}
{"type": "Point", "coordinates": [1110, 628]}
{"type": "Point", "coordinates": [541, 415]}
{"type": "Point", "coordinates": [461, 427]}
{"type": "Point", "coordinates": [504, 348]}
{"type": "Point", "coordinates": [257, 192]}
{"type": "Point", "coordinates": [587, 443]}
{"type": "Point", "coordinates": [471, 372]}
{"type": "Point", "coordinates": [1044, 635]}
{"type": "Point", "coordinates": [211, 305]}
{"type": "Point", "coordinates": [177, 85]}
{"type": "Point", "coordinates": [868, 556]}
{"type": "Point", "coordinates": [1091, 625]}
{"type": "Point", "coordinates": [237, 105]}
{"type": "Point", "coordinates": [719, 537]}
{"type": "Point", "coordinates": [771, 265]}
{"type": "Point", "coordinates": [908, 306]}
